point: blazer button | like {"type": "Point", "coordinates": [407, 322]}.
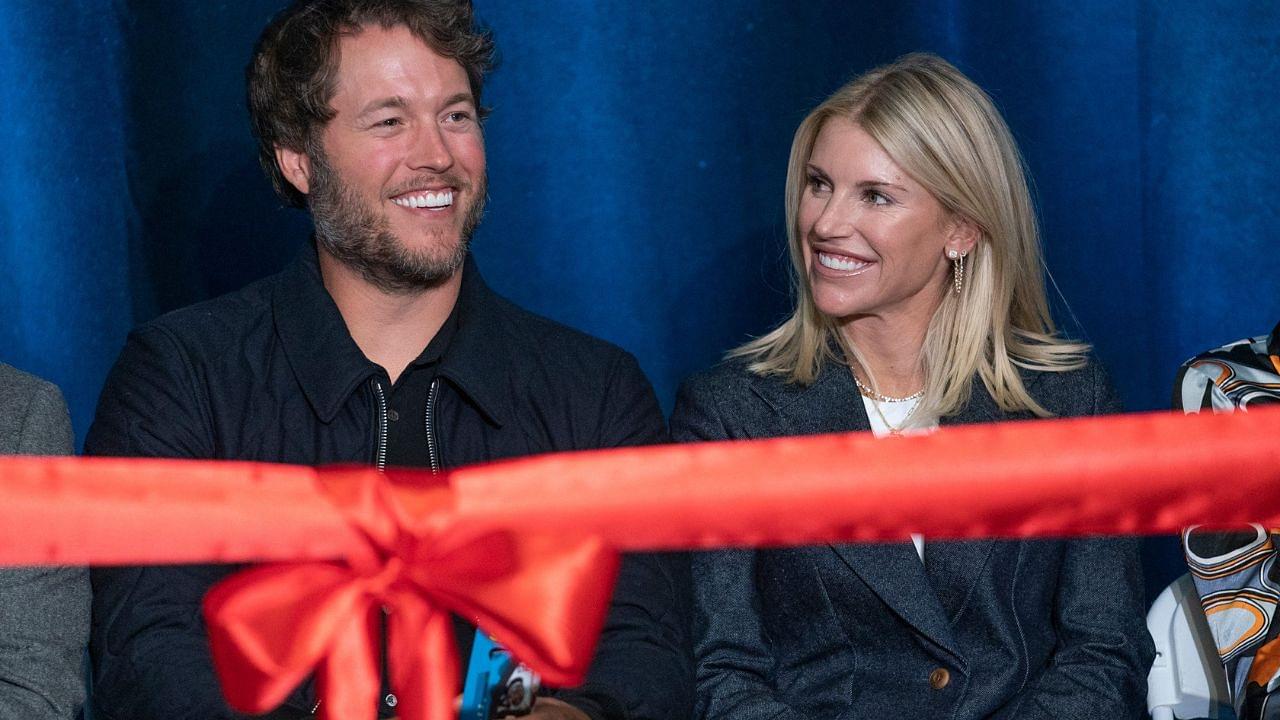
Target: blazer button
{"type": "Point", "coordinates": [939, 678]}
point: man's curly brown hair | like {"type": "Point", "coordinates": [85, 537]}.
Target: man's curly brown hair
{"type": "Point", "coordinates": [294, 69]}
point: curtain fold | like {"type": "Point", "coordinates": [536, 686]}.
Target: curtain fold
{"type": "Point", "coordinates": [66, 216]}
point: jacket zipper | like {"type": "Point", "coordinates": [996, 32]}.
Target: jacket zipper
{"type": "Point", "coordinates": [433, 446]}
{"type": "Point", "coordinates": [379, 451]}
{"type": "Point", "coordinates": [380, 461]}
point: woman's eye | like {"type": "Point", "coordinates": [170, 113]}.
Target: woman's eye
{"type": "Point", "coordinates": [877, 198]}
{"type": "Point", "coordinates": [816, 184]}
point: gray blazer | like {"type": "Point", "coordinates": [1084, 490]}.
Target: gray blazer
{"type": "Point", "coordinates": [44, 612]}
{"type": "Point", "coordinates": [981, 629]}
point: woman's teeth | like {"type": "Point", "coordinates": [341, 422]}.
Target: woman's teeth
{"type": "Point", "coordinates": [840, 262]}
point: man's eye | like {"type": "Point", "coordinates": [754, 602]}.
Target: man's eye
{"type": "Point", "coordinates": [458, 116]}
{"type": "Point", "coordinates": [388, 122]}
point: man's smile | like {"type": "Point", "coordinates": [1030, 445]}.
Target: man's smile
{"type": "Point", "coordinates": [432, 200]}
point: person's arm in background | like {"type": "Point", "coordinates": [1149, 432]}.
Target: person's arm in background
{"type": "Point", "coordinates": [732, 658]}
{"type": "Point", "coordinates": [44, 612]}
{"type": "Point", "coordinates": [642, 666]}
{"type": "Point", "coordinates": [1214, 554]}
{"type": "Point", "coordinates": [1195, 390]}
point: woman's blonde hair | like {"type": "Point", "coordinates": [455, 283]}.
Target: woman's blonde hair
{"type": "Point", "coordinates": [946, 133]}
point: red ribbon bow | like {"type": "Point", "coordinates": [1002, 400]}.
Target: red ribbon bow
{"type": "Point", "coordinates": [543, 596]}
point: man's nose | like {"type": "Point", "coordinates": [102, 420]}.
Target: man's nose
{"type": "Point", "coordinates": [430, 151]}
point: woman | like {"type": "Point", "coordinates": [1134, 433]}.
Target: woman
{"type": "Point", "coordinates": [919, 302]}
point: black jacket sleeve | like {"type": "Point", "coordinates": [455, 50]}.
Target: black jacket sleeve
{"type": "Point", "coordinates": [150, 655]}
{"type": "Point", "coordinates": [642, 667]}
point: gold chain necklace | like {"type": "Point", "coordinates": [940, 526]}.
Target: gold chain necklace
{"type": "Point", "coordinates": [884, 398]}
{"type": "Point", "coordinates": [894, 430]}
{"type": "Point", "coordinates": [877, 398]}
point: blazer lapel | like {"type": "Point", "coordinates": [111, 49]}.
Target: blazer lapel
{"type": "Point", "coordinates": [830, 405]}
{"type": "Point", "coordinates": [893, 571]}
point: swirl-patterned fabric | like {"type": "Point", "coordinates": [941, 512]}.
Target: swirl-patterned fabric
{"type": "Point", "coordinates": [1235, 572]}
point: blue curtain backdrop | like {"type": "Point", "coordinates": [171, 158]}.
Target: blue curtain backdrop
{"type": "Point", "coordinates": [637, 154]}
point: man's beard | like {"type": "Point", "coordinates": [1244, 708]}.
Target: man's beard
{"type": "Point", "coordinates": [356, 235]}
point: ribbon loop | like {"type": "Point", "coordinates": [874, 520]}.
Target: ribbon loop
{"type": "Point", "coordinates": [544, 597]}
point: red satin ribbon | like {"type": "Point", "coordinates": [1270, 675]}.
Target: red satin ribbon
{"type": "Point", "coordinates": [1152, 473]}
{"type": "Point", "coordinates": [459, 542]}
{"type": "Point", "coordinates": [115, 511]}
{"type": "Point", "coordinates": [543, 596]}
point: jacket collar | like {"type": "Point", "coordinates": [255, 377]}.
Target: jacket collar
{"type": "Point", "coordinates": [832, 403]}
{"type": "Point", "coordinates": [893, 571]}
{"type": "Point", "coordinates": [478, 359]}
{"type": "Point", "coordinates": [329, 366]}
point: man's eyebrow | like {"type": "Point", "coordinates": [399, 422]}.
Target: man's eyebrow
{"type": "Point", "coordinates": [397, 102]}
{"type": "Point", "coordinates": [393, 102]}
{"type": "Point", "coordinates": [462, 97]}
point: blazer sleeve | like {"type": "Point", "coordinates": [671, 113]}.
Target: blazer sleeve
{"type": "Point", "coordinates": [45, 610]}
{"type": "Point", "coordinates": [1099, 670]}
{"type": "Point", "coordinates": [732, 657]}
{"type": "Point", "coordinates": [642, 669]}
{"type": "Point", "coordinates": [150, 655]}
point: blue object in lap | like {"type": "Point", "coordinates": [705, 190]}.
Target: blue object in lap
{"type": "Point", "coordinates": [496, 686]}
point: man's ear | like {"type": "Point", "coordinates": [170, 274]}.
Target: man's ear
{"type": "Point", "coordinates": [296, 167]}
{"type": "Point", "coordinates": [963, 235]}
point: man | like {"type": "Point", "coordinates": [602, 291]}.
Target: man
{"type": "Point", "coordinates": [1235, 573]}
{"type": "Point", "coordinates": [380, 345]}
{"type": "Point", "coordinates": [44, 612]}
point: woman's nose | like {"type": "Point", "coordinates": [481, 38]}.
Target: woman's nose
{"type": "Point", "coordinates": [836, 221]}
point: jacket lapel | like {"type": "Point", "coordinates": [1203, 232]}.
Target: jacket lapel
{"type": "Point", "coordinates": [893, 571]}
{"type": "Point", "coordinates": [830, 405]}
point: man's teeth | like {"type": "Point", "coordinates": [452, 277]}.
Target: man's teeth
{"type": "Point", "coordinates": [425, 200]}
{"type": "Point", "coordinates": [835, 262]}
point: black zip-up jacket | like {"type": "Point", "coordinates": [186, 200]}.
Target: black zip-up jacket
{"type": "Point", "coordinates": [270, 373]}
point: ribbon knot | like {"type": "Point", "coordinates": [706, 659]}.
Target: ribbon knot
{"type": "Point", "coordinates": [542, 596]}
{"type": "Point", "coordinates": [386, 577]}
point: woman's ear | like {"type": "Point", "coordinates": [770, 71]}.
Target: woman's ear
{"type": "Point", "coordinates": [296, 167]}
{"type": "Point", "coordinates": [962, 235]}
